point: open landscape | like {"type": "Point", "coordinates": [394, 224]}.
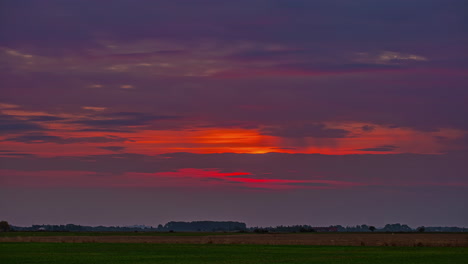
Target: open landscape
{"type": "Point", "coordinates": [234, 131]}
{"type": "Point", "coordinates": [231, 247]}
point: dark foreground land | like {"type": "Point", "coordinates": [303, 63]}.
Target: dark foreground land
{"type": "Point", "coordinates": [329, 239]}
{"type": "Point", "coordinates": [121, 253]}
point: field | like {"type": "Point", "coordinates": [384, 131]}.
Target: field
{"type": "Point", "coordinates": [121, 253]}
{"type": "Point", "coordinates": [324, 239]}
{"type": "Point", "coordinates": [98, 234]}
{"type": "Point", "coordinates": [179, 247]}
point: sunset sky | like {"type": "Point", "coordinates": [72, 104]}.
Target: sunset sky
{"type": "Point", "coordinates": [269, 112]}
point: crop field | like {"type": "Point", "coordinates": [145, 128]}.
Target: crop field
{"type": "Point", "coordinates": [110, 233]}
{"type": "Point", "coordinates": [121, 253]}
{"type": "Point", "coordinates": [324, 239]}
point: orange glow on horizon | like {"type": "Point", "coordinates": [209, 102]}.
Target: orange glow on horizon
{"type": "Point", "coordinates": [71, 140]}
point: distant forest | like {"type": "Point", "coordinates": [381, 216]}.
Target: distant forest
{"type": "Point", "coordinates": [232, 226]}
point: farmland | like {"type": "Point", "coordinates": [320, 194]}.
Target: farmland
{"type": "Point", "coordinates": [11, 253]}
{"type": "Point", "coordinates": [323, 239]}
{"type": "Point", "coordinates": [99, 234]}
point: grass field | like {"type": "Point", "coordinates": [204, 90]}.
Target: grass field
{"type": "Point", "coordinates": [110, 253]}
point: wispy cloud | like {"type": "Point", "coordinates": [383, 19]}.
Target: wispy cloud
{"type": "Point", "coordinates": [94, 108]}
{"type": "Point", "coordinates": [383, 148]}
{"type": "Point", "coordinates": [39, 138]}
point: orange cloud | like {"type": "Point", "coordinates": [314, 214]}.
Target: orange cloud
{"type": "Point", "coordinates": [210, 139]}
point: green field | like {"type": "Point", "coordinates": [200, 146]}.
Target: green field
{"type": "Point", "coordinates": [109, 253]}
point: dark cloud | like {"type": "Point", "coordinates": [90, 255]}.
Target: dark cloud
{"type": "Point", "coordinates": [312, 37]}
{"type": "Point", "coordinates": [305, 70]}
{"type": "Point", "coordinates": [383, 148]}
{"type": "Point", "coordinates": [113, 148]}
{"type": "Point", "coordinates": [10, 124]}
{"type": "Point", "coordinates": [367, 128]}
{"type": "Point", "coordinates": [44, 138]}
{"type": "Point", "coordinates": [109, 130]}
{"type": "Point", "coordinates": [267, 55]}
{"type": "Point", "coordinates": [129, 57]}
{"type": "Point", "coordinates": [338, 68]}
{"type": "Point", "coordinates": [123, 119]}
{"type": "Point", "coordinates": [15, 154]}
{"type": "Point", "coordinates": [285, 148]}
{"type": "Point", "coordinates": [45, 118]}
{"type": "Point", "coordinates": [307, 130]}
{"type": "Point", "coordinates": [456, 143]}
{"type": "Point", "coordinates": [367, 24]}
{"type": "Point", "coordinates": [9, 153]}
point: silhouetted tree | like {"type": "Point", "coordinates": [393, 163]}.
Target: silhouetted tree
{"type": "Point", "coordinates": [260, 230]}
{"type": "Point", "coordinates": [372, 228]}
{"type": "Point", "coordinates": [4, 226]}
{"type": "Point", "coordinates": [421, 229]}
{"type": "Point", "coordinates": [206, 226]}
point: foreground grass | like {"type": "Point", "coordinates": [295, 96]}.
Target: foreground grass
{"type": "Point", "coordinates": [109, 253]}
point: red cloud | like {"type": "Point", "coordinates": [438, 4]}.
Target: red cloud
{"type": "Point", "coordinates": [210, 173]}
{"type": "Point", "coordinates": [251, 182]}
{"type": "Point", "coordinates": [187, 177]}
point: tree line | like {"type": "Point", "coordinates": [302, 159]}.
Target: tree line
{"type": "Point", "coordinates": [227, 226]}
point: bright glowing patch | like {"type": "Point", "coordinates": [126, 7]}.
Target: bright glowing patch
{"type": "Point", "coordinates": [8, 106]}
{"type": "Point", "coordinates": [94, 108]}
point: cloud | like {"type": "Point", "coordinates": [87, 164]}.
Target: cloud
{"type": "Point", "coordinates": [8, 106]}
{"type": "Point", "coordinates": [44, 138]}
{"type": "Point", "coordinates": [9, 153]}
{"type": "Point", "coordinates": [367, 128]}
{"type": "Point", "coordinates": [45, 118]}
{"type": "Point", "coordinates": [95, 86]}
{"type": "Point", "coordinates": [383, 148]}
{"type": "Point", "coordinates": [360, 70]}
{"type": "Point", "coordinates": [16, 53]}
{"type": "Point", "coordinates": [113, 148]}
{"type": "Point", "coordinates": [250, 182]}
{"type": "Point", "coordinates": [334, 171]}
{"type": "Point", "coordinates": [304, 69]}
{"type": "Point", "coordinates": [267, 54]}
{"type": "Point", "coordinates": [122, 119]}
{"type": "Point", "coordinates": [355, 24]}
{"type": "Point", "coordinates": [10, 124]}
{"type": "Point", "coordinates": [94, 108]}
{"type": "Point", "coordinates": [185, 177]}
{"type": "Point", "coordinates": [107, 130]}
{"type": "Point", "coordinates": [389, 58]}
{"type": "Point", "coordinates": [376, 70]}
{"type": "Point", "coordinates": [201, 173]}
{"type": "Point", "coordinates": [121, 54]}
{"type": "Point", "coordinates": [307, 130]}
{"type": "Point", "coordinates": [458, 143]}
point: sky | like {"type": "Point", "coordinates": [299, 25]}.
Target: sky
{"type": "Point", "coordinates": [269, 112]}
